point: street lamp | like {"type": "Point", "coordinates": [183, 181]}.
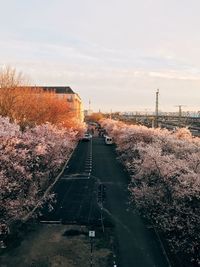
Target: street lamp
{"type": "Point", "coordinates": [91, 236]}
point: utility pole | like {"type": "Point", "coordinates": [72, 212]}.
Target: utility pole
{"type": "Point", "coordinates": [156, 110]}
{"type": "Point", "coordinates": [179, 114]}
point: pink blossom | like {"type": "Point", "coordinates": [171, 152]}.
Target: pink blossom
{"type": "Point", "coordinates": [165, 184]}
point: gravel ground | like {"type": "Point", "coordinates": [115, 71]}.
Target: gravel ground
{"type": "Point", "coordinates": [57, 246]}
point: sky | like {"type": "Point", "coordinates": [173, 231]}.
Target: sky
{"type": "Point", "coordinates": [115, 53]}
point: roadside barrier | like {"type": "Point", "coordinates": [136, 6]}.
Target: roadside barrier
{"type": "Point", "coordinates": [25, 219]}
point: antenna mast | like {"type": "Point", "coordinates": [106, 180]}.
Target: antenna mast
{"type": "Point", "coordinates": [156, 110]}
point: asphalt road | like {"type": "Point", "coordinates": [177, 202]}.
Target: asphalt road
{"type": "Point", "coordinates": [138, 244]}
{"type": "Point", "coordinates": [75, 192]}
{"type": "Point", "coordinates": [92, 163]}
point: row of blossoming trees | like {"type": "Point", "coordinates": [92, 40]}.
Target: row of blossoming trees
{"type": "Point", "coordinates": [37, 135]}
{"type": "Point", "coordinates": [165, 180]}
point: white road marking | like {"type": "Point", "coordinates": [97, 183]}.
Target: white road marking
{"type": "Point", "coordinates": [56, 222]}
{"type": "Point", "coordinates": [76, 178]}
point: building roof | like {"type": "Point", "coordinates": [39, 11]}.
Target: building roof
{"type": "Point", "coordinates": [56, 89]}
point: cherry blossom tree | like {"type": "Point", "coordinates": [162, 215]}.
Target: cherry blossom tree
{"type": "Point", "coordinates": [29, 162]}
{"type": "Point", "coordinates": [165, 180]}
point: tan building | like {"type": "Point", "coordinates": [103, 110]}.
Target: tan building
{"type": "Point", "coordinates": [71, 97]}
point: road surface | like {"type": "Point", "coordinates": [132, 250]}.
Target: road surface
{"type": "Point", "coordinates": [92, 163]}
{"type": "Point", "coordinates": [138, 244]}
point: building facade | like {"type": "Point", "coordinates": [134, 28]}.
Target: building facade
{"type": "Point", "coordinates": [72, 98]}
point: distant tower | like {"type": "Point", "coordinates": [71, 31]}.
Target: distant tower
{"type": "Point", "coordinates": [89, 108]}
{"type": "Point", "coordinates": [89, 112]}
{"type": "Point", "coordinates": [179, 114]}
{"type": "Point", "coordinates": [111, 114]}
{"type": "Point", "coordinates": [156, 110]}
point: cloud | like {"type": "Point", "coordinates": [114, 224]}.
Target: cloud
{"type": "Point", "coordinates": [175, 75]}
{"type": "Point", "coordinates": [110, 77]}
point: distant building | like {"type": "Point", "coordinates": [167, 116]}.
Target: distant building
{"type": "Point", "coordinates": [72, 98]}
{"type": "Point", "coordinates": [88, 112]}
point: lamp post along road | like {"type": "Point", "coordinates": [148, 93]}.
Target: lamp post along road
{"type": "Point", "coordinates": [91, 236]}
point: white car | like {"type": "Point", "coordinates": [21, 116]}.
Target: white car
{"type": "Point", "coordinates": [87, 137]}
{"type": "Point", "coordinates": [108, 140]}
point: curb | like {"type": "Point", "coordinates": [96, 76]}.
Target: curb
{"type": "Point", "coordinates": [50, 187]}
{"type": "Point", "coordinates": [162, 246]}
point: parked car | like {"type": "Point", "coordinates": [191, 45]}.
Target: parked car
{"type": "Point", "coordinates": [108, 140]}
{"type": "Point", "coordinates": [2, 244]}
{"type": "Point", "coordinates": [87, 137]}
